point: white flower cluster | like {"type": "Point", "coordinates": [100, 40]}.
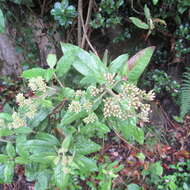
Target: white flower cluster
{"type": "Point", "coordinates": [129, 103]}
{"type": "Point", "coordinates": [91, 118]}
{"type": "Point", "coordinates": [110, 78]}
{"type": "Point", "coordinates": [75, 107]}
{"type": "Point", "coordinates": [27, 103]}
{"type": "Point", "coordinates": [79, 93]}
{"type": "Point", "coordinates": [95, 91]}
{"type": "Point", "coordinates": [37, 84]}
{"type": "Point", "coordinates": [17, 121]}
{"type": "Point", "coordinates": [87, 105]}
{"type": "Point", "coordinates": [112, 108]}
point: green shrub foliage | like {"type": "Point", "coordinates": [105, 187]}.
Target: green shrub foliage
{"type": "Point", "coordinates": [54, 132]}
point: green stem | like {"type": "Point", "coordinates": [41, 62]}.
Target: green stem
{"type": "Point", "coordinates": [58, 80]}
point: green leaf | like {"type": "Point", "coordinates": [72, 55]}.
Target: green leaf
{"type": "Point", "coordinates": [155, 2]}
{"type": "Point", "coordinates": [138, 63]}
{"type": "Point", "coordinates": [85, 63]}
{"type": "Point", "coordinates": [82, 148]}
{"type": "Point", "coordinates": [147, 12]}
{"type": "Point", "coordinates": [89, 80]}
{"type": "Point", "coordinates": [51, 60]}
{"type": "Point", "coordinates": [42, 180]}
{"type": "Point", "coordinates": [101, 65]}
{"type": "Point", "coordinates": [31, 171]}
{"type": "Point", "coordinates": [157, 169]}
{"type": "Point", "coordinates": [8, 172]}
{"type": "Point", "coordinates": [38, 146]}
{"type": "Point", "coordinates": [6, 116]}
{"type": "Point", "coordinates": [39, 117]}
{"type": "Point", "coordinates": [21, 149]}
{"type": "Point", "coordinates": [139, 23]}
{"type": "Point", "coordinates": [23, 130]}
{"type": "Point", "coordinates": [2, 166]}
{"type": "Point", "coordinates": [66, 142]}
{"type": "Point", "coordinates": [43, 157]}
{"type": "Point", "coordinates": [70, 117]}
{"type": "Point", "coordinates": [102, 127]}
{"type": "Point", "coordinates": [2, 22]}
{"type": "Point", "coordinates": [133, 186]}
{"type": "Point", "coordinates": [6, 132]}
{"type": "Point", "coordinates": [48, 74]}
{"type": "Point", "coordinates": [186, 2]}
{"type": "Point", "coordinates": [3, 158]}
{"type": "Point", "coordinates": [139, 135]}
{"type": "Point", "coordinates": [21, 160]}
{"type": "Point", "coordinates": [141, 156]}
{"type": "Point", "coordinates": [67, 92]}
{"type": "Point", "coordinates": [61, 177]}
{"type": "Point", "coordinates": [130, 131]}
{"type": "Point", "coordinates": [8, 109]}
{"type": "Point", "coordinates": [64, 64]}
{"type": "Point", "coordinates": [86, 164]}
{"type": "Point", "coordinates": [47, 137]}
{"type": "Point", "coordinates": [117, 64]}
{"type": "Point", "coordinates": [32, 73]}
{"type": "Point", "coordinates": [10, 150]}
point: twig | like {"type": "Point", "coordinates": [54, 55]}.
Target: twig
{"type": "Point", "coordinates": [43, 8]}
{"type": "Point", "coordinates": [58, 107]}
{"type": "Point", "coordinates": [167, 118]}
{"type": "Point", "coordinates": [39, 1]}
{"type": "Point", "coordinates": [131, 146]}
{"type": "Point", "coordinates": [111, 92]}
{"type": "Point", "coordinates": [70, 32]}
{"type": "Point", "coordinates": [88, 41]}
{"type": "Point", "coordinates": [79, 23]}
{"type": "Point", "coordinates": [87, 21]}
{"type": "Point", "coordinates": [135, 9]}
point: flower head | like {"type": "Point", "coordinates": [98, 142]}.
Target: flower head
{"type": "Point", "coordinates": [79, 93]}
{"type": "Point", "coordinates": [20, 99]}
{"type": "Point", "coordinates": [87, 106]}
{"type": "Point", "coordinates": [37, 84]}
{"type": "Point", "coordinates": [17, 121]}
{"type": "Point", "coordinates": [75, 107]}
{"type": "Point", "coordinates": [112, 108]}
{"type": "Point", "coordinates": [150, 96]}
{"type": "Point", "coordinates": [90, 119]}
{"type": "Point", "coordinates": [110, 78]}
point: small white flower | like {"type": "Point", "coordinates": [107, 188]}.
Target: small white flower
{"type": "Point", "coordinates": [87, 106]}
{"type": "Point", "coordinates": [75, 107]}
{"type": "Point", "coordinates": [79, 93]}
{"type": "Point", "coordinates": [20, 99]}
{"type": "Point", "coordinates": [17, 121]}
{"type": "Point", "coordinates": [90, 119]}
{"type": "Point", "coordinates": [37, 84]}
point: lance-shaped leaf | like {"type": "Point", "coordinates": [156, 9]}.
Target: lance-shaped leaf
{"type": "Point", "coordinates": [138, 63]}
{"type": "Point", "coordinates": [116, 66]}
{"type": "Point", "coordinates": [139, 23]}
{"type": "Point", "coordinates": [84, 62]}
{"type": "Point", "coordinates": [8, 172]}
{"type": "Point", "coordinates": [155, 2]}
{"type": "Point", "coordinates": [51, 60]}
{"type": "Point", "coordinates": [35, 72]}
{"type": "Point", "coordinates": [61, 176]}
{"type": "Point", "coordinates": [2, 22]}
